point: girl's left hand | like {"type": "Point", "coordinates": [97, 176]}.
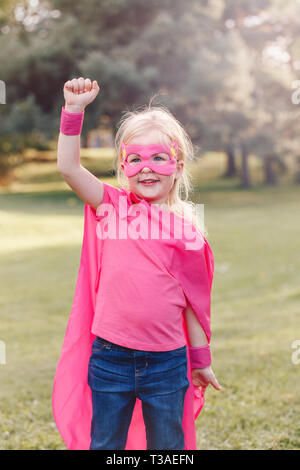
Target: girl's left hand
{"type": "Point", "coordinates": [204, 377]}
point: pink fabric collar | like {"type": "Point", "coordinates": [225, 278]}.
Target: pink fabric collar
{"type": "Point", "coordinates": [134, 198]}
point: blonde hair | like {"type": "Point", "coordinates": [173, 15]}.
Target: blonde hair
{"type": "Point", "coordinates": [134, 123]}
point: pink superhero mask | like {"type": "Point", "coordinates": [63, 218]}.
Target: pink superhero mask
{"type": "Point", "coordinates": [146, 155]}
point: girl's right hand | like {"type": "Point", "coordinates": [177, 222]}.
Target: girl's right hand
{"type": "Point", "coordinates": [205, 376]}
{"type": "Point", "coordinates": [79, 92]}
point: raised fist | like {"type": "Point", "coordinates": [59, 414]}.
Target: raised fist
{"type": "Point", "coordinates": [79, 92]}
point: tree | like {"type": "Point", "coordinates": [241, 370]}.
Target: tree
{"type": "Point", "coordinates": [210, 61]}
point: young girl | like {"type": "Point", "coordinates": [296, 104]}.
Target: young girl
{"type": "Point", "coordinates": [135, 360]}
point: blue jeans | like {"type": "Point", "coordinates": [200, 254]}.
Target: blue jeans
{"type": "Point", "coordinates": [117, 375]}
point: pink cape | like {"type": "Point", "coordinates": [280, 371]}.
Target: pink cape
{"type": "Point", "coordinates": [71, 398]}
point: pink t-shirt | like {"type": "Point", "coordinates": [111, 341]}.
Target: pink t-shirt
{"type": "Point", "coordinates": [139, 304]}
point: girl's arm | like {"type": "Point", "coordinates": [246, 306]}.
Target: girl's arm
{"type": "Point", "coordinates": [78, 93]}
{"type": "Point", "coordinates": [196, 333]}
{"type": "Point", "coordinates": [197, 337]}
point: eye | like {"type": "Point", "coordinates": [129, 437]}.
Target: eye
{"type": "Point", "coordinates": [133, 158]}
{"type": "Point", "coordinates": [161, 157]}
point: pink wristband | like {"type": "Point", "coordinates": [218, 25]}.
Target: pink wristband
{"type": "Point", "coordinates": [71, 123]}
{"type": "Point", "coordinates": [200, 356]}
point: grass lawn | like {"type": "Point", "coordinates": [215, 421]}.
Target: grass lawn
{"type": "Point", "coordinates": [254, 235]}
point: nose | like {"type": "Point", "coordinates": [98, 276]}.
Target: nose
{"type": "Point", "coordinates": [147, 169]}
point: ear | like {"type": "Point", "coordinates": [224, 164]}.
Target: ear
{"type": "Point", "coordinates": [179, 169]}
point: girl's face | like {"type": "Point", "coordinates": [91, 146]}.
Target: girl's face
{"type": "Point", "coordinates": [156, 193]}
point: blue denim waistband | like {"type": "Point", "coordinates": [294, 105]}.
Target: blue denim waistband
{"type": "Point", "coordinates": [110, 345]}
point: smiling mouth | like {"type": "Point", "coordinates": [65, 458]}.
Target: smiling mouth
{"type": "Point", "coordinates": [149, 182]}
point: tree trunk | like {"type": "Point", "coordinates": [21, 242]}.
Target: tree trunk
{"type": "Point", "coordinates": [297, 175]}
{"type": "Point", "coordinates": [231, 166]}
{"type": "Point", "coordinates": [245, 170]}
{"type": "Point", "coordinates": [84, 140]}
{"type": "Point", "coordinates": [270, 177]}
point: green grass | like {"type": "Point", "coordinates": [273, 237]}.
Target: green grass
{"type": "Point", "coordinates": [254, 235]}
